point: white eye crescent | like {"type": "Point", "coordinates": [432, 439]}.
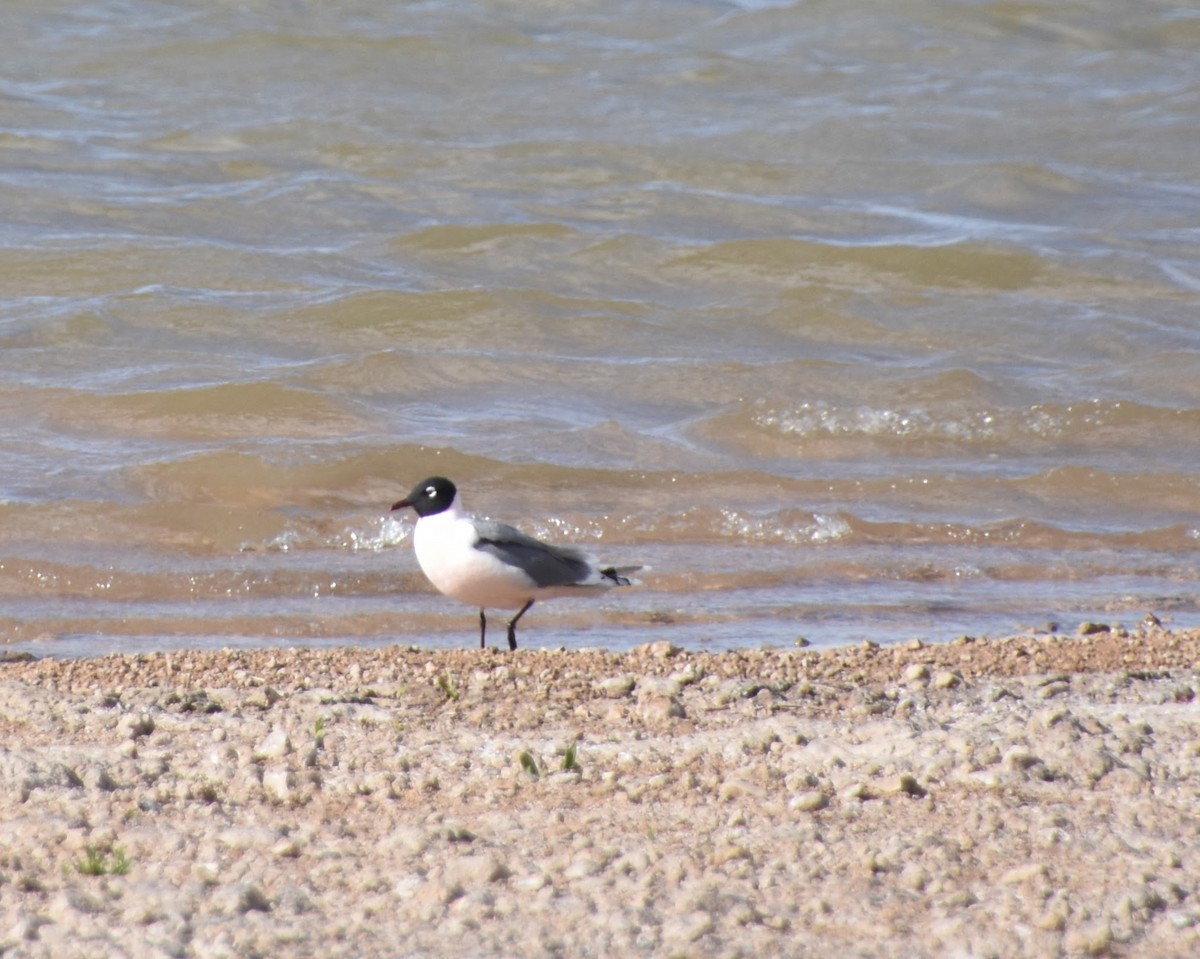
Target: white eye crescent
{"type": "Point", "coordinates": [431, 492]}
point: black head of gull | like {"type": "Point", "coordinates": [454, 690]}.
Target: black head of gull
{"type": "Point", "coordinates": [429, 497]}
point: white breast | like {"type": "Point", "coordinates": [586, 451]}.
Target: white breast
{"type": "Point", "coordinates": [445, 548]}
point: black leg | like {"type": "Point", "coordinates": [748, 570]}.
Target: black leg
{"type": "Point", "coordinates": [482, 629]}
{"type": "Point", "coordinates": [512, 625]}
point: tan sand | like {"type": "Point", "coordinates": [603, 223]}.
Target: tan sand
{"type": "Point", "coordinates": [1033, 796]}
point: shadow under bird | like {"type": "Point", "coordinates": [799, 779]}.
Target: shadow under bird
{"type": "Point", "coordinates": [492, 565]}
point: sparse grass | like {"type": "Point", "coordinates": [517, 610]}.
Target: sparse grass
{"type": "Point", "coordinates": [529, 763]}
{"type": "Point", "coordinates": [533, 764]}
{"type": "Point", "coordinates": [95, 862]}
{"type": "Point", "coordinates": [447, 685]}
{"type": "Point", "coordinates": [92, 864]}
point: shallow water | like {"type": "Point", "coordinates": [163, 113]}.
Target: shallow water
{"type": "Point", "coordinates": [849, 321]}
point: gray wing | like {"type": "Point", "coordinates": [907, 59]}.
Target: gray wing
{"type": "Point", "coordinates": [546, 565]}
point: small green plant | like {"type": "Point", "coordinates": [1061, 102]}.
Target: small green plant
{"type": "Point", "coordinates": [319, 731]}
{"type": "Point", "coordinates": [96, 863]}
{"type": "Point", "coordinates": [569, 761]}
{"type": "Point", "coordinates": [92, 863]}
{"type": "Point", "coordinates": [446, 684]}
{"type": "Point", "coordinates": [529, 763]}
{"type": "Point", "coordinates": [121, 863]}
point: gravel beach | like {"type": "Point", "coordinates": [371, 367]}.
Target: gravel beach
{"type": "Point", "coordinates": [1029, 796]}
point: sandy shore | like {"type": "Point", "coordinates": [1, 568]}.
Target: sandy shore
{"type": "Point", "coordinates": [1034, 796]}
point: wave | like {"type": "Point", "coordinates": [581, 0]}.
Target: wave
{"type": "Point", "coordinates": [970, 433]}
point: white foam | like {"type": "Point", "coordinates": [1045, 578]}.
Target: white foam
{"type": "Point", "coordinates": [389, 532]}
{"type": "Point", "coordinates": [823, 528]}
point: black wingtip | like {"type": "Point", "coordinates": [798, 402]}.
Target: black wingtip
{"type": "Point", "coordinates": [616, 575]}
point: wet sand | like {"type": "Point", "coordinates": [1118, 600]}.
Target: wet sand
{"type": "Point", "coordinates": [1034, 796]}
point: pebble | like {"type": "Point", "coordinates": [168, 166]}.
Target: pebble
{"type": "Point", "coordinates": [137, 726]}
{"type": "Point", "coordinates": [1050, 690]}
{"type": "Point", "coordinates": [1092, 939]}
{"type": "Point", "coordinates": [658, 708]}
{"type": "Point", "coordinates": [689, 928]}
{"type": "Point", "coordinates": [860, 791]}
{"type": "Point", "coordinates": [914, 876]}
{"type": "Point", "coordinates": [407, 839]}
{"type": "Point", "coordinates": [1023, 874]}
{"type": "Point", "coordinates": [252, 899]}
{"type": "Point", "coordinates": [475, 870]}
{"type": "Point", "coordinates": [729, 853]}
{"type": "Point", "coordinates": [286, 849]}
{"type": "Point", "coordinates": [279, 782]}
{"type": "Point", "coordinates": [907, 784]}
{"type": "Point", "coordinates": [1052, 920]}
{"type": "Point", "coordinates": [946, 679]}
{"type": "Point", "coordinates": [809, 801]}
{"type": "Point", "coordinates": [661, 649]}
{"type": "Point", "coordinates": [616, 687]}
{"type": "Point", "coordinates": [276, 745]}
{"type": "Point", "coordinates": [1021, 758]}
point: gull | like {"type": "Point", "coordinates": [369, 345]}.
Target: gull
{"type": "Point", "coordinates": [492, 565]}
